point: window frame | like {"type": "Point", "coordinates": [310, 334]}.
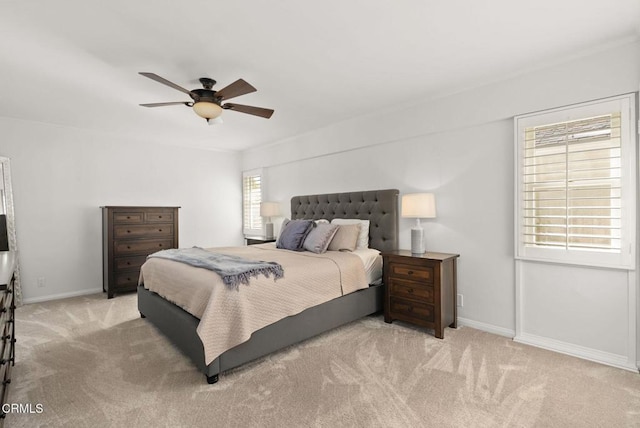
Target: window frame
{"type": "Point", "coordinates": [625, 258]}
{"type": "Point", "coordinates": [247, 230]}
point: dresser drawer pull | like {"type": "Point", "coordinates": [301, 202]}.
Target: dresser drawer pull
{"type": "Point", "coordinates": [410, 272]}
{"type": "Point", "coordinates": [159, 230]}
{"type": "Point", "coordinates": [128, 247]}
{"type": "Point", "coordinates": [159, 245]}
{"type": "Point", "coordinates": [410, 290]}
{"type": "Point", "coordinates": [128, 231]}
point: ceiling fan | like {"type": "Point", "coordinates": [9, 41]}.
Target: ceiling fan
{"type": "Point", "coordinates": [207, 103]}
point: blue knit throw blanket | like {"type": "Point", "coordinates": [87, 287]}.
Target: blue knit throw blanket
{"type": "Point", "coordinates": [233, 270]}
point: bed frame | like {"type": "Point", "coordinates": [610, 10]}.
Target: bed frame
{"type": "Point", "coordinates": [380, 207]}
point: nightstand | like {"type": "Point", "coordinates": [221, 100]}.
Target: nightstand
{"type": "Point", "coordinates": [420, 289]}
{"type": "Point", "coordinates": [252, 240]}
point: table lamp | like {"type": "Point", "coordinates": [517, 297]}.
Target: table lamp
{"type": "Point", "coordinates": [418, 205]}
{"type": "Point", "coordinates": [268, 210]}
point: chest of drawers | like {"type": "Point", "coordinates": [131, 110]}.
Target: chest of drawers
{"type": "Point", "coordinates": [129, 235]}
{"type": "Point", "coordinates": [420, 289]}
{"type": "Point", "coordinates": [7, 325]}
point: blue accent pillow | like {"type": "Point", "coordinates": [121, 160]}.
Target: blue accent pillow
{"type": "Point", "coordinates": [293, 234]}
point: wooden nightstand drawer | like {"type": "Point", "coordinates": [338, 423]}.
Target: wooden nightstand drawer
{"type": "Point", "coordinates": [417, 312]}
{"type": "Point", "coordinates": [142, 231]}
{"type": "Point", "coordinates": [411, 290]}
{"type": "Point", "coordinates": [418, 273]}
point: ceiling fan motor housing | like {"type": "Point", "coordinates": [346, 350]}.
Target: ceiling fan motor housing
{"type": "Point", "coordinates": [205, 95]}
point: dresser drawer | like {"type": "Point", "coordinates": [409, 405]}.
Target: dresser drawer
{"type": "Point", "coordinates": [142, 230]}
{"type": "Point", "coordinates": [124, 248]}
{"type": "Point", "coordinates": [5, 316]}
{"type": "Point", "coordinates": [5, 338]}
{"type": "Point", "coordinates": [415, 272]}
{"type": "Point", "coordinates": [127, 279]}
{"type": "Point", "coordinates": [129, 217]}
{"type": "Point", "coordinates": [412, 290]}
{"type": "Point", "coordinates": [128, 263]}
{"type": "Point", "coordinates": [411, 310]}
{"type": "Point", "coordinates": [159, 217]}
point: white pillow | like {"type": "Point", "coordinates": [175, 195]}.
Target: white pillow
{"type": "Point", "coordinates": [363, 236]}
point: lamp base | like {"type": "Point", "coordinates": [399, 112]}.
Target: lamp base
{"type": "Point", "coordinates": [417, 243]}
{"type": "Point", "coordinates": [268, 230]}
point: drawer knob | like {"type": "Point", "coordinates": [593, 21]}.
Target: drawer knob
{"type": "Point", "coordinates": [159, 230]}
{"type": "Point", "coordinates": [159, 216]}
{"type": "Point", "coordinates": [128, 217]}
{"type": "Point", "coordinates": [410, 290]}
{"type": "Point", "coordinates": [410, 272]}
{"type": "Point", "coordinates": [128, 231]}
{"type": "Point", "coordinates": [159, 245]}
{"type": "Point", "coordinates": [128, 247]}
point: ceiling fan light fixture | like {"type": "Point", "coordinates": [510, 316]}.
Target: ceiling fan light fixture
{"type": "Point", "coordinates": [207, 110]}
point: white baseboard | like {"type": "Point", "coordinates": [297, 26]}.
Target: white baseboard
{"type": "Point", "coordinates": [595, 355]}
{"type": "Point", "coordinates": [62, 295]}
{"type": "Point", "coordinates": [489, 328]}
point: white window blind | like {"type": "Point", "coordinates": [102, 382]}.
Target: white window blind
{"type": "Point", "coordinates": [576, 188]}
{"type": "Point", "coordinates": [252, 188]}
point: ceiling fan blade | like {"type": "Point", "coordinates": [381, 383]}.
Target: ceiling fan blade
{"type": "Point", "coordinates": [186, 103]}
{"type": "Point", "coordinates": [164, 81]}
{"type": "Point", "coordinates": [256, 111]}
{"type": "Point", "coordinates": [237, 88]}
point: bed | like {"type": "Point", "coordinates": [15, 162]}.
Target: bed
{"type": "Point", "coordinates": [180, 326]}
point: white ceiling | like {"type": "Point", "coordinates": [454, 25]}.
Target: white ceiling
{"type": "Point", "coordinates": [75, 63]}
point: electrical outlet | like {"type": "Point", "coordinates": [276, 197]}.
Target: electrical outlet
{"type": "Point", "coordinates": [41, 282]}
{"type": "Point", "coordinates": [460, 300]}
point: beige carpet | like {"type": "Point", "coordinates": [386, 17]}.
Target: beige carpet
{"type": "Point", "coordinates": [92, 362]}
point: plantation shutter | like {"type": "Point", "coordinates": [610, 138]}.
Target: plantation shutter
{"type": "Point", "coordinates": [572, 184]}
{"type": "Point", "coordinates": [251, 198]}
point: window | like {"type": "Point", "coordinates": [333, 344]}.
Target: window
{"type": "Point", "coordinates": [252, 189]}
{"type": "Point", "coordinates": [576, 184]}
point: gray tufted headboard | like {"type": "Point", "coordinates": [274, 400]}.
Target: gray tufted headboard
{"type": "Point", "coordinates": [380, 207]}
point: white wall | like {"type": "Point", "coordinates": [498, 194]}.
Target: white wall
{"type": "Point", "coordinates": [61, 176]}
{"type": "Point", "coordinates": [461, 147]}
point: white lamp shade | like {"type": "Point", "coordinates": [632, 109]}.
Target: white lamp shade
{"type": "Point", "coordinates": [419, 205]}
{"type": "Point", "coordinates": [207, 110]}
{"type": "Point", "coordinates": [269, 209]}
